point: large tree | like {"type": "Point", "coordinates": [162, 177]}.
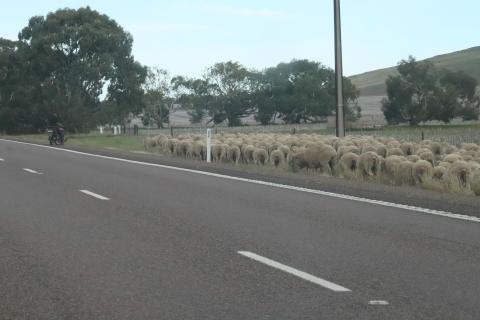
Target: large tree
{"type": "Point", "coordinates": [421, 92]}
{"type": "Point", "coordinates": [302, 91]}
{"type": "Point", "coordinates": [224, 93]}
{"type": "Point", "coordinates": [157, 100]}
{"type": "Point", "coordinates": [77, 62]}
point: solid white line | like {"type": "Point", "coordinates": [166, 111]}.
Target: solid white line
{"type": "Point", "coordinates": [98, 196]}
{"type": "Point", "coordinates": [31, 171]}
{"type": "Point", "coordinates": [378, 303]}
{"type": "Point", "coordinates": [277, 265]}
{"type": "Point", "coordinates": [271, 184]}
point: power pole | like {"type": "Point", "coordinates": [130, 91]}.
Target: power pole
{"type": "Point", "coordinates": [340, 115]}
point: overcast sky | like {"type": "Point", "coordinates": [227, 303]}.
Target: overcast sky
{"type": "Point", "coordinates": [186, 37]}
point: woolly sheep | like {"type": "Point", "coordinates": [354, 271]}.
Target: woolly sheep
{"type": "Point", "coordinates": [452, 158]}
{"type": "Point", "coordinates": [394, 152]}
{"type": "Point", "coordinates": [248, 154]}
{"type": "Point", "coordinates": [422, 170]}
{"type": "Point", "coordinates": [348, 164]}
{"type": "Point", "coordinates": [149, 143]}
{"type": "Point", "coordinates": [219, 152]}
{"type": "Point", "coordinates": [404, 173]}
{"type": "Point", "coordinates": [407, 148]}
{"type": "Point", "coordinates": [439, 172]}
{"type": "Point", "coordinates": [369, 164]}
{"type": "Point", "coordinates": [413, 158]}
{"type": "Point", "coordinates": [260, 156]}
{"type": "Point", "coordinates": [382, 151]}
{"type": "Point", "coordinates": [459, 174]}
{"type": "Point", "coordinates": [277, 157]}
{"type": "Point", "coordinates": [233, 154]}
{"type": "Point", "coordinates": [391, 165]}
{"type": "Point", "coordinates": [320, 157]}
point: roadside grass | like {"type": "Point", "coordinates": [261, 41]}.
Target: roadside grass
{"type": "Point", "coordinates": [125, 143]}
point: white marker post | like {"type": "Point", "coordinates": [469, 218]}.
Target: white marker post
{"type": "Point", "coordinates": [209, 145]}
{"type": "Point", "coordinates": [101, 129]}
{"type": "Point", "coordinates": [114, 130]}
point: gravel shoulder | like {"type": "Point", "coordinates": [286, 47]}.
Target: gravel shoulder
{"type": "Point", "coordinates": [413, 196]}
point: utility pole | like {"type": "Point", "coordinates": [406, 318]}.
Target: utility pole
{"type": "Point", "coordinates": [340, 115]}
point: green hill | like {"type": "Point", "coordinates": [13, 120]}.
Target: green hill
{"type": "Point", "coordinates": [373, 83]}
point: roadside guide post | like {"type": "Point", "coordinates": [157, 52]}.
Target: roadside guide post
{"type": "Point", "coordinates": [209, 145]}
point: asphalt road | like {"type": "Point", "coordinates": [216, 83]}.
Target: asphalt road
{"type": "Point", "coordinates": [167, 244]}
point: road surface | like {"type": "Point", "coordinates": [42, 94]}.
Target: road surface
{"type": "Point", "coordinates": [85, 237]}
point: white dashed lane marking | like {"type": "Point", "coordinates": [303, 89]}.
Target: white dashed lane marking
{"type": "Point", "coordinates": [303, 275]}
{"type": "Point", "coordinates": [31, 171]}
{"type": "Point", "coordinates": [93, 194]}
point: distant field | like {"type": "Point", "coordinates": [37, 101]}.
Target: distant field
{"type": "Point", "coordinates": [373, 83]}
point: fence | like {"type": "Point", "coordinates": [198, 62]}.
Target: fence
{"type": "Point", "coordinates": [447, 133]}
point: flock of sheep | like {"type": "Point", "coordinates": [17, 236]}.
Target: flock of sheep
{"type": "Point", "coordinates": [428, 164]}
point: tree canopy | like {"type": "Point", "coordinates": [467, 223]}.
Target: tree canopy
{"type": "Point", "coordinates": [77, 63]}
{"type": "Point", "coordinates": [421, 93]}
{"type": "Point", "coordinates": [299, 91]}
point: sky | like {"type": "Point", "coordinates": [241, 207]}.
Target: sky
{"type": "Point", "coordinates": [186, 37]}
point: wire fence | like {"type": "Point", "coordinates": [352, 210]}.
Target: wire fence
{"type": "Point", "coordinates": [452, 134]}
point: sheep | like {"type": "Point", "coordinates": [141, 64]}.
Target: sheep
{"type": "Point", "coordinates": [404, 173]}
{"type": "Point", "coordinates": [260, 156]}
{"type": "Point", "coordinates": [413, 158]}
{"type": "Point", "coordinates": [248, 154]}
{"type": "Point", "coordinates": [348, 164]}
{"type": "Point", "coordinates": [391, 165]}
{"type": "Point", "coordinates": [181, 148]}
{"type": "Point", "coordinates": [196, 150]}
{"type": "Point", "coordinates": [170, 145]}
{"type": "Point", "coordinates": [437, 149]}
{"type": "Point", "coordinates": [475, 183]}
{"type": "Point", "coordinates": [149, 143]}
{"type": "Point", "coordinates": [452, 158]}
{"type": "Point", "coordinates": [382, 151]}
{"type": "Point", "coordinates": [439, 172]}
{"type": "Point", "coordinates": [320, 157]}
{"type": "Point", "coordinates": [277, 157]}
{"type": "Point", "coordinates": [219, 152]}
{"type": "Point", "coordinates": [369, 164]}
{"type": "Point", "coordinates": [459, 174]}
{"type": "Point", "coordinates": [422, 170]}
{"type": "Point", "coordinates": [346, 149]}
{"type": "Point", "coordinates": [407, 148]}
{"type": "Point", "coordinates": [394, 152]}
{"type": "Point", "coordinates": [469, 147]}
{"type": "Point", "coordinates": [233, 154]}
{"type": "Point", "coordinates": [451, 149]}
{"type": "Point", "coordinates": [427, 156]}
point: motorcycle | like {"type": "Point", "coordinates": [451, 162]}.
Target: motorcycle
{"type": "Point", "coordinates": [56, 135]}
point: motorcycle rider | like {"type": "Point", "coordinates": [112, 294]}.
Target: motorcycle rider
{"type": "Point", "coordinates": [54, 122]}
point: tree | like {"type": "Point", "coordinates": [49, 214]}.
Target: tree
{"type": "Point", "coordinates": [224, 93]}
{"type": "Point", "coordinates": [456, 97]}
{"type": "Point", "coordinates": [411, 94]}
{"type": "Point", "coordinates": [421, 93]}
{"type": "Point", "coordinates": [194, 96]}
{"type": "Point", "coordinates": [68, 59]}
{"type": "Point", "coordinates": [303, 91]}
{"type": "Point", "coordinates": [230, 86]}
{"type": "Point", "coordinates": [156, 100]}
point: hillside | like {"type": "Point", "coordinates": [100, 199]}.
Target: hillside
{"type": "Point", "coordinates": [373, 83]}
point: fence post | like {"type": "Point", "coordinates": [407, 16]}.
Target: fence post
{"type": "Point", "coordinates": [209, 145]}
{"type": "Point", "coordinates": [423, 135]}
{"type": "Point", "coordinates": [171, 131]}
